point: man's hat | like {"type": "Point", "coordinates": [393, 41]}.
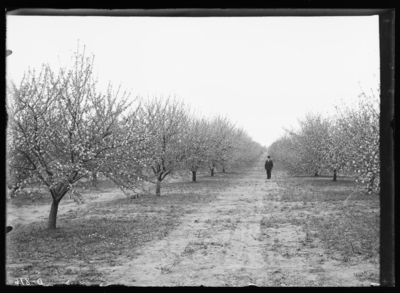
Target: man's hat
{"type": "Point", "coordinates": [268, 157]}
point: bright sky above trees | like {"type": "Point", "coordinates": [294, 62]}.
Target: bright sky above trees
{"type": "Point", "coordinates": [262, 72]}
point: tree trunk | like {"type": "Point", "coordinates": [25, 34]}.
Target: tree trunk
{"type": "Point", "coordinates": [194, 176]}
{"type": "Point", "coordinates": [212, 171]}
{"type": "Point", "coordinates": [12, 192]}
{"type": "Point", "coordinates": [371, 183]}
{"type": "Point", "coordinates": [223, 169]}
{"type": "Point", "coordinates": [94, 179]}
{"type": "Point", "coordinates": [334, 174]}
{"type": "Point", "coordinates": [53, 214]}
{"type": "Point", "coordinates": [316, 174]}
{"type": "Point", "coordinates": [57, 194]}
{"type": "Point", "coordinates": [158, 188]}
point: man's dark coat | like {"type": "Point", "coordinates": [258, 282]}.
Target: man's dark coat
{"type": "Point", "coordinates": [268, 164]}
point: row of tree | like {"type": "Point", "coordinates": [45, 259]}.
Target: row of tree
{"type": "Point", "coordinates": [61, 129]}
{"type": "Point", "coordinates": [347, 141]}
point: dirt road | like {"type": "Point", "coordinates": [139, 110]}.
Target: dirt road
{"type": "Point", "coordinates": [240, 238]}
{"type": "Point", "coordinates": [217, 245]}
{"type": "Point", "coordinates": [223, 244]}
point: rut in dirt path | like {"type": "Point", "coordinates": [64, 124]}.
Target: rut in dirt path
{"type": "Point", "coordinates": [216, 246]}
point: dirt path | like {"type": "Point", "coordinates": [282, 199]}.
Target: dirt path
{"type": "Point", "coordinates": [242, 237]}
{"type": "Point", "coordinates": [219, 245]}
{"type": "Point", "coordinates": [237, 240]}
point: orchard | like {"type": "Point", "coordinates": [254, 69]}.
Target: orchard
{"type": "Point", "coordinates": [347, 142]}
{"type": "Point", "coordinates": [62, 128]}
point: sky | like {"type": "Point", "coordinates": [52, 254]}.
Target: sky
{"type": "Point", "coordinates": [263, 73]}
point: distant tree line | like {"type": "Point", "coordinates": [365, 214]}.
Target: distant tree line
{"type": "Point", "coordinates": [345, 142]}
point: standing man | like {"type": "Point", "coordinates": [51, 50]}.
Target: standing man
{"type": "Point", "coordinates": [268, 167]}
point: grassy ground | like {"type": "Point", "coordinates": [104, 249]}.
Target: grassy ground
{"type": "Point", "coordinates": [339, 215]}
{"type": "Point", "coordinates": [103, 235]}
